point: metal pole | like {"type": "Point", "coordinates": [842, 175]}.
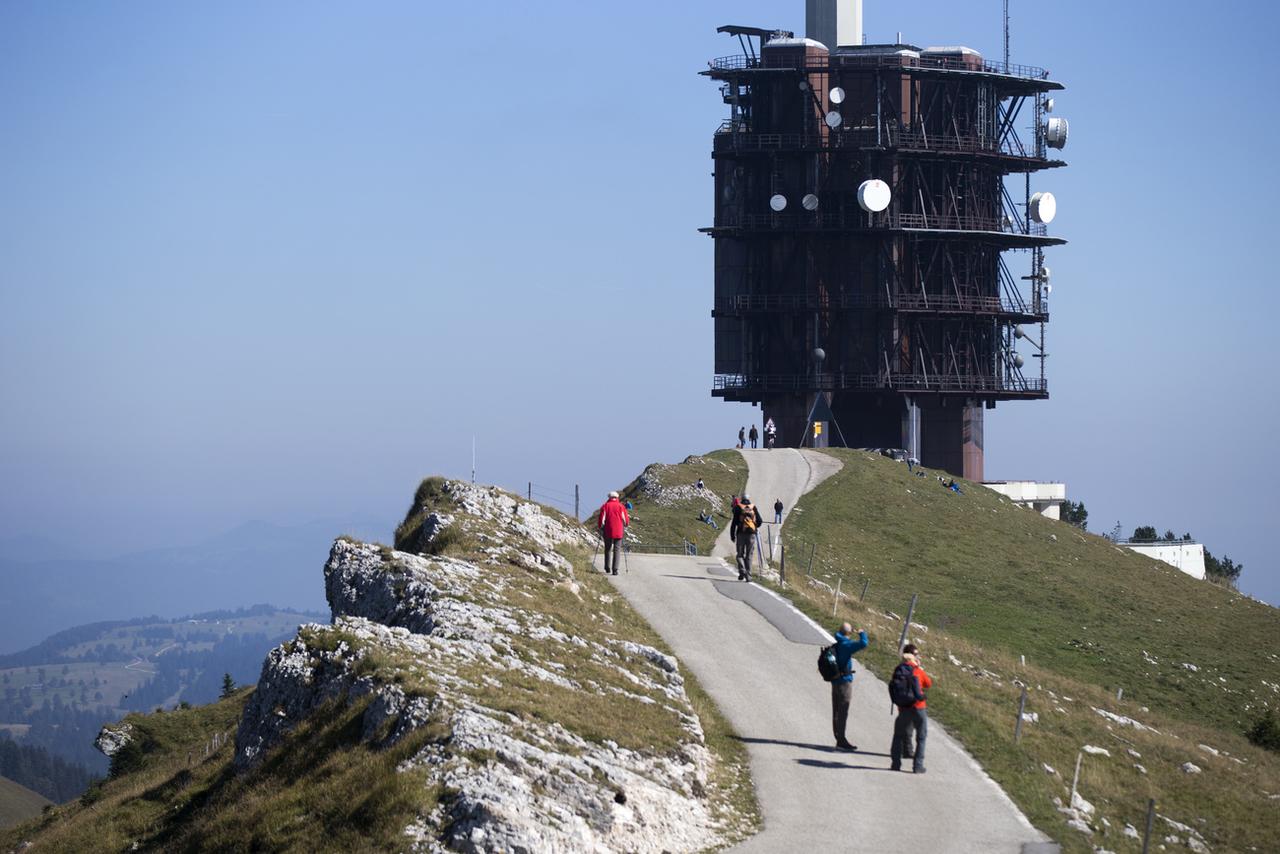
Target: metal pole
{"type": "Point", "coordinates": [782, 571]}
{"type": "Point", "coordinates": [1151, 817]}
{"type": "Point", "coordinates": [530, 490]}
{"type": "Point", "coordinates": [812, 549]}
{"type": "Point", "coordinates": [760, 553]}
{"type": "Point", "coordinates": [835, 603]}
{"type": "Point", "coordinates": [907, 625]}
{"type": "Point", "coordinates": [771, 543]}
{"type": "Point", "coordinates": [865, 585]}
{"type": "Point", "coordinates": [577, 500]}
{"type": "Point", "coordinates": [1119, 695]}
{"type": "Point", "coordinates": [1075, 781]}
{"type": "Point", "coordinates": [1022, 707]}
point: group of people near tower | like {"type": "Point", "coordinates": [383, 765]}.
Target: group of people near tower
{"type": "Point", "coordinates": [753, 435]}
{"type": "Point", "coordinates": [909, 682]}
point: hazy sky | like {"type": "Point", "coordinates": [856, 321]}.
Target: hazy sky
{"type": "Point", "coordinates": [278, 261]}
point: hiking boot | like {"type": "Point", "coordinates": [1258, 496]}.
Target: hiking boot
{"type": "Point", "coordinates": [844, 745]}
{"type": "Point", "coordinates": [895, 767]}
{"type": "Point", "coordinates": [615, 572]}
{"type": "Point", "coordinates": [919, 770]}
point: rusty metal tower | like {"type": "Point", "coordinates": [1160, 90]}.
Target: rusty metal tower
{"type": "Point", "coordinates": [870, 204]}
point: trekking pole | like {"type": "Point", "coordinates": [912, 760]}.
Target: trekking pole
{"type": "Point", "coordinates": [626, 561]}
{"type": "Point", "coordinates": [1151, 817]}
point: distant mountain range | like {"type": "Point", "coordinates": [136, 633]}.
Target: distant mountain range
{"type": "Point", "coordinates": [46, 590]}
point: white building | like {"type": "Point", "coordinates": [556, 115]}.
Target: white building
{"type": "Point", "coordinates": [1183, 555]}
{"type": "Point", "coordinates": [1044, 498]}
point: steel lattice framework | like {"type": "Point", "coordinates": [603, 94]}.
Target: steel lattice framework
{"type": "Point", "coordinates": [917, 308]}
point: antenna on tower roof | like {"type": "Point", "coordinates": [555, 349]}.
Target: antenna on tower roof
{"type": "Point", "coordinates": [1006, 36]}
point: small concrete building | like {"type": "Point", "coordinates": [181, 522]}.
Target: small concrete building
{"type": "Point", "coordinates": [1044, 498]}
{"type": "Point", "coordinates": [1184, 555]}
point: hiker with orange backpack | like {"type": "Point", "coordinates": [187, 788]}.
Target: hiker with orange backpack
{"type": "Point", "coordinates": [742, 531]}
{"type": "Point", "coordinates": [907, 688]}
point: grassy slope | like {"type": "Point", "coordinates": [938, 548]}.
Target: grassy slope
{"type": "Point", "coordinates": [18, 803]}
{"type": "Point", "coordinates": [723, 473]}
{"type": "Point", "coordinates": [994, 585]}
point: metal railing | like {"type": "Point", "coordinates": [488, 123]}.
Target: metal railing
{"type": "Point", "coordinates": [899, 302]}
{"type": "Point", "coordinates": [729, 135]}
{"type": "Point", "coordinates": [839, 220]}
{"type": "Point", "coordinates": [892, 62]}
{"type": "Point", "coordinates": [974, 383]}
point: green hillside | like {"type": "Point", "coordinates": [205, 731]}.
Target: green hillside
{"type": "Point", "coordinates": [18, 803]}
{"type": "Point", "coordinates": [998, 586]}
{"type": "Point", "coordinates": [666, 502]}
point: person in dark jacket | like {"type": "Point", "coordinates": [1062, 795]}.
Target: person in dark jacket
{"type": "Point", "coordinates": [742, 531]}
{"type": "Point", "coordinates": [842, 685]}
{"type": "Point", "coordinates": [612, 520]}
{"type": "Point", "coordinates": [754, 435]}
{"type": "Point", "coordinates": [742, 437]}
{"type": "Point", "coordinates": [777, 511]}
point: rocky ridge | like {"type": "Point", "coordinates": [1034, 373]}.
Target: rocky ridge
{"type": "Point", "coordinates": [472, 650]}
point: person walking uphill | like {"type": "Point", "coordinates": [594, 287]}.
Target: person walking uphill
{"type": "Point", "coordinates": [742, 437]}
{"type": "Point", "coordinates": [907, 689]}
{"type": "Point", "coordinates": [842, 685]}
{"type": "Point", "coordinates": [612, 521]}
{"type": "Point", "coordinates": [754, 435]}
{"type": "Point", "coordinates": [742, 531]}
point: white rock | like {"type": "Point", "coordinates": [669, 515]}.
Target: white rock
{"type": "Point", "coordinates": [1186, 665]}
{"type": "Point", "coordinates": [1080, 805]}
{"type": "Point", "coordinates": [1140, 768]}
{"type": "Point", "coordinates": [113, 738]}
{"type": "Point", "coordinates": [1077, 824]}
{"type": "Point", "coordinates": [1135, 754]}
{"type": "Point", "coordinates": [1095, 751]}
{"type": "Point", "coordinates": [1131, 832]}
{"type": "Point", "coordinates": [1048, 769]}
{"type": "Point", "coordinates": [1190, 768]}
{"type": "Point", "coordinates": [1210, 750]}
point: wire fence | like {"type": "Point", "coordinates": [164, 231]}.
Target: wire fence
{"type": "Point", "coordinates": [568, 500]}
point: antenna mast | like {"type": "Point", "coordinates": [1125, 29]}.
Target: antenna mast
{"type": "Point", "coordinates": [1006, 36]}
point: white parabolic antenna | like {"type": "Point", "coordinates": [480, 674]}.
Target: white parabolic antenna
{"type": "Point", "coordinates": [1044, 207]}
{"type": "Point", "coordinates": [1048, 106]}
{"type": "Point", "coordinates": [1048, 289]}
{"type": "Point", "coordinates": [1017, 360]}
{"type": "Point", "coordinates": [778, 202]}
{"type": "Point", "coordinates": [837, 95]}
{"type": "Point", "coordinates": [834, 119]}
{"type": "Point", "coordinates": [1055, 132]}
{"type": "Point", "coordinates": [809, 202]}
{"type": "Point", "coordinates": [1045, 273]}
{"type": "Point", "coordinates": [1019, 332]}
{"type": "Point", "coordinates": [874, 195]}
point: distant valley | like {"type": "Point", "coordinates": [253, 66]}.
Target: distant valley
{"type": "Point", "coordinates": [56, 695]}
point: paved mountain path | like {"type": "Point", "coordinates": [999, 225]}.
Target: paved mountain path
{"type": "Point", "coordinates": [756, 656]}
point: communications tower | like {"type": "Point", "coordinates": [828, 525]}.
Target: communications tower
{"type": "Point", "coordinates": [879, 243]}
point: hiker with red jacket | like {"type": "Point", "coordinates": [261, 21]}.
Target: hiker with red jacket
{"type": "Point", "coordinates": [907, 689]}
{"type": "Point", "coordinates": [612, 522]}
{"type": "Point", "coordinates": [742, 532]}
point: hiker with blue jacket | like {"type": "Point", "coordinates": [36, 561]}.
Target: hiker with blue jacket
{"type": "Point", "coordinates": [842, 685]}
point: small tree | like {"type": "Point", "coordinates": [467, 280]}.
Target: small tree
{"type": "Point", "coordinates": [1145, 533]}
{"type": "Point", "coordinates": [1222, 571]}
{"type": "Point", "coordinates": [228, 685]}
{"type": "Point", "coordinates": [1073, 513]}
{"type": "Point", "coordinates": [1265, 731]}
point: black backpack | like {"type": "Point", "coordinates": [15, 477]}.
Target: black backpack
{"type": "Point", "coordinates": [828, 665]}
{"type": "Point", "coordinates": [904, 688]}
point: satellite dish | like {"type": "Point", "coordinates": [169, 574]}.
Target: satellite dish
{"type": "Point", "coordinates": [837, 95]}
{"type": "Point", "coordinates": [809, 202]}
{"type": "Point", "coordinates": [1048, 105]}
{"type": "Point", "coordinates": [834, 119]}
{"type": "Point", "coordinates": [819, 354]}
{"type": "Point", "coordinates": [1043, 207]}
{"type": "Point", "coordinates": [804, 85]}
{"type": "Point", "coordinates": [1048, 289]}
{"type": "Point", "coordinates": [1044, 273]}
{"type": "Point", "coordinates": [778, 202]}
{"type": "Point", "coordinates": [874, 195]}
{"type": "Point", "coordinates": [1017, 360]}
{"type": "Point", "coordinates": [1019, 332]}
{"type": "Point", "coordinates": [1055, 132]}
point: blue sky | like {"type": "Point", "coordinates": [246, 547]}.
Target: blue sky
{"type": "Point", "coordinates": [278, 261]}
